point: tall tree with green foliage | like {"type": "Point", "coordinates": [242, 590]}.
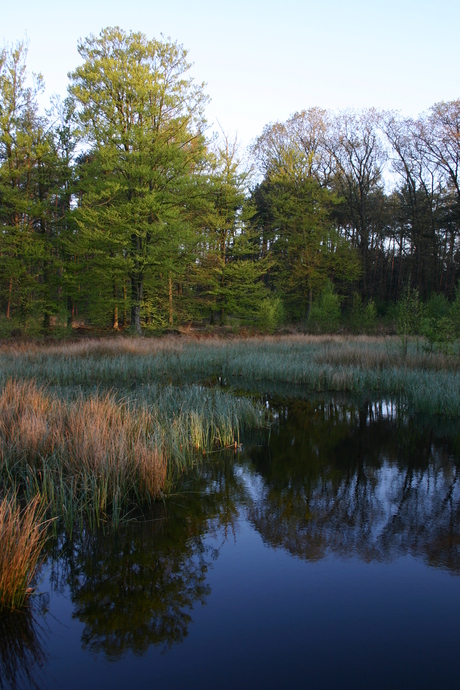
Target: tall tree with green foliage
{"type": "Point", "coordinates": [30, 180]}
{"type": "Point", "coordinates": [230, 270]}
{"type": "Point", "coordinates": [294, 202]}
{"type": "Point", "coordinates": [142, 119]}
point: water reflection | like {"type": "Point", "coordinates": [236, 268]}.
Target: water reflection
{"type": "Point", "coordinates": [355, 480]}
{"type": "Point", "coordinates": [363, 481]}
{"type": "Point", "coordinates": [137, 587]}
{"type": "Point", "coordinates": [22, 646]}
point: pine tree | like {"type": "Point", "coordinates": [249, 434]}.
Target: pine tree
{"type": "Point", "coordinates": [28, 186]}
{"type": "Point", "coordinates": [231, 271]}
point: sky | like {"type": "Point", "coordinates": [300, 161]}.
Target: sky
{"type": "Point", "coordinates": [263, 61]}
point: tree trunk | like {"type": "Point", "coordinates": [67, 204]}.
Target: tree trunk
{"type": "Point", "coordinates": [170, 302]}
{"type": "Point", "coordinates": [69, 311]}
{"type": "Point", "coordinates": [115, 309]}
{"type": "Point", "coordinates": [310, 303]}
{"type": "Point", "coordinates": [137, 286]}
{"type": "Point", "coordinates": [124, 303]}
{"type": "Point", "coordinates": [9, 299]}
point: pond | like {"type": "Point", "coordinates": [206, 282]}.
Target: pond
{"type": "Point", "coordinates": [326, 554]}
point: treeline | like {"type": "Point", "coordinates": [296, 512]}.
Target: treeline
{"type": "Point", "coordinates": [117, 211]}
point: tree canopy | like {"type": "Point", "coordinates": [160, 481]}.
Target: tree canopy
{"type": "Point", "coordinates": [118, 209]}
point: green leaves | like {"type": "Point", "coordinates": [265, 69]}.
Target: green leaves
{"type": "Point", "coordinates": [31, 175]}
{"type": "Point", "coordinates": [142, 118]}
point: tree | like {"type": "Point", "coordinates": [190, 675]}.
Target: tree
{"type": "Point", "coordinates": [438, 136]}
{"type": "Point", "coordinates": [408, 315]}
{"type": "Point", "coordinates": [354, 144]}
{"type": "Point", "coordinates": [303, 133]}
{"type": "Point", "coordinates": [142, 119]}
{"type": "Point", "coordinates": [31, 175]}
{"type": "Point", "coordinates": [230, 269]}
{"type": "Point", "coordinates": [294, 207]}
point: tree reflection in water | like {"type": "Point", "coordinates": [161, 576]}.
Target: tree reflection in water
{"type": "Point", "coordinates": [22, 645]}
{"type": "Point", "coordinates": [138, 586]}
{"type": "Point", "coordinates": [363, 481]}
{"type": "Point", "coordinates": [350, 480]}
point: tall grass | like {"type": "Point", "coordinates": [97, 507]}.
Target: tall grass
{"type": "Point", "coordinates": [22, 536]}
{"type": "Point", "coordinates": [93, 457]}
{"type": "Point", "coordinates": [426, 381]}
{"type": "Point", "coordinates": [101, 426]}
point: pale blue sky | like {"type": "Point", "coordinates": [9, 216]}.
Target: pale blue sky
{"type": "Point", "coordinates": [263, 61]}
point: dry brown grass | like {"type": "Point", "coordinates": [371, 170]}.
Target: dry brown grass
{"type": "Point", "coordinates": [377, 353]}
{"type": "Point", "coordinates": [113, 346]}
{"type": "Point", "coordinates": [91, 440]}
{"type": "Point", "coordinates": [365, 351]}
{"type": "Point", "coordinates": [118, 346]}
{"type": "Point", "coordinates": [22, 536]}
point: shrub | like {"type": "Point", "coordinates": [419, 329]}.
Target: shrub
{"type": "Point", "coordinates": [455, 312]}
{"type": "Point", "coordinates": [325, 312]}
{"type": "Point", "coordinates": [408, 316]}
{"type": "Point", "coordinates": [362, 319]}
{"type": "Point", "coordinates": [10, 328]}
{"type": "Point", "coordinates": [437, 326]}
{"type": "Point", "coordinates": [271, 314]}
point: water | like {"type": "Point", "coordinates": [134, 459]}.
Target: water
{"type": "Point", "coordinates": [328, 557]}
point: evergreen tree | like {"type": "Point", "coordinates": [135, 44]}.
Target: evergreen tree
{"type": "Point", "coordinates": [230, 270]}
{"type": "Point", "coordinates": [29, 181]}
{"type": "Point", "coordinates": [142, 120]}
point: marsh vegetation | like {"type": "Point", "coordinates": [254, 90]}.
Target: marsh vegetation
{"type": "Point", "coordinates": [95, 457]}
{"type": "Point", "coordinates": [95, 431]}
{"type": "Point", "coordinates": [426, 380]}
{"type": "Point", "coordinates": [22, 537]}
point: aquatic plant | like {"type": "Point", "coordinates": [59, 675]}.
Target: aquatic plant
{"type": "Point", "coordinates": [426, 381]}
{"type": "Point", "coordinates": [22, 537]}
{"type": "Point", "coordinates": [92, 456]}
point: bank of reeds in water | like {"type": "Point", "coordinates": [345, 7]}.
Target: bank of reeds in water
{"type": "Point", "coordinates": [22, 537]}
{"type": "Point", "coordinates": [428, 382]}
{"type": "Point", "coordinates": [92, 458]}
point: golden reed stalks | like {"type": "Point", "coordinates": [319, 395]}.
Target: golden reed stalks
{"type": "Point", "coordinates": [96, 438]}
{"type": "Point", "coordinates": [22, 536]}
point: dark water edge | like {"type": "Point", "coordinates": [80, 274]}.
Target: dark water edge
{"type": "Point", "coordinates": [327, 557]}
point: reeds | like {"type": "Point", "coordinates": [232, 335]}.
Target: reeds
{"type": "Point", "coordinates": [110, 430]}
{"type": "Point", "coordinates": [426, 381]}
{"type": "Point", "coordinates": [22, 536]}
{"type": "Point", "coordinates": [93, 457]}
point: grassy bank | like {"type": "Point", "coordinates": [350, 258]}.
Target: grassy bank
{"type": "Point", "coordinates": [428, 382]}
{"type": "Point", "coordinates": [87, 457]}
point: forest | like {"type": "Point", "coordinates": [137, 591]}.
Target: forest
{"type": "Point", "coordinates": [118, 209]}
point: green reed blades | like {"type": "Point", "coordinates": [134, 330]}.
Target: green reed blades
{"type": "Point", "coordinates": [94, 457]}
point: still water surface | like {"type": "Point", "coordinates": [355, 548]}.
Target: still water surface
{"type": "Point", "coordinates": [327, 557]}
